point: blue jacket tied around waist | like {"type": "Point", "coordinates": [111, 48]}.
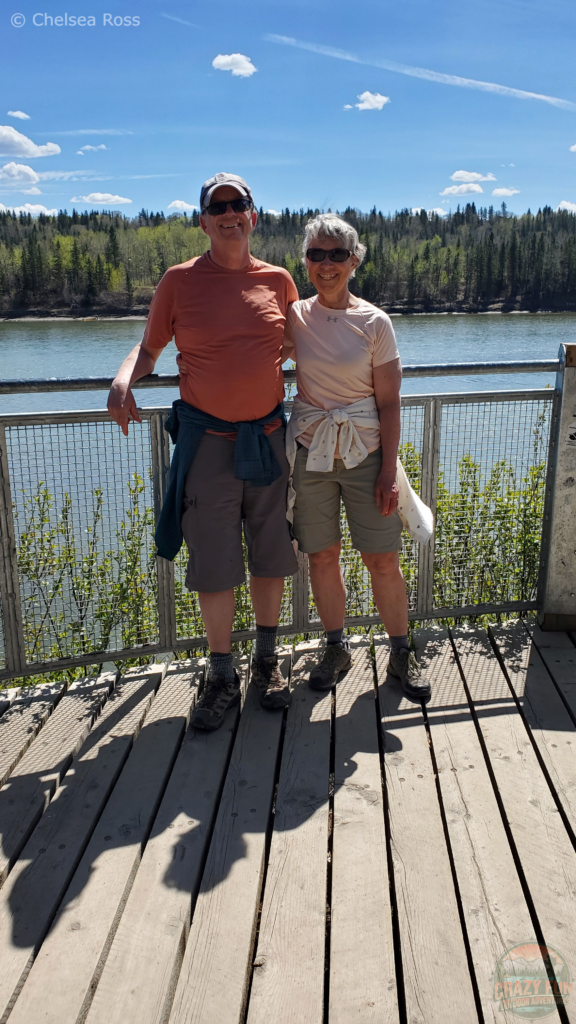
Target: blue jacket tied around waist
{"type": "Point", "coordinates": [254, 460]}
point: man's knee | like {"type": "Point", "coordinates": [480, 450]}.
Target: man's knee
{"type": "Point", "coordinates": [384, 564]}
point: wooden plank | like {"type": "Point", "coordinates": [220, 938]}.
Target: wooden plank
{"type": "Point", "coordinates": [559, 654]}
{"type": "Point", "coordinates": [546, 854]}
{"type": "Point", "coordinates": [215, 968]}
{"type": "Point", "coordinates": [28, 791]}
{"type": "Point", "coordinates": [139, 977]}
{"type": "Point", "coordinates": [495, 910]}
{"type": "Point", "coordinates": [21, 722]}
{"type": "Point", "coordinates": [39, 879]}
{"type": "Point", "coordinates": [552, 727]}
{"type": "Point", "coordinates": [64, 975]}
{"type": "Point", "coordinates": [432, 945]}
{"type": "Point", "coordinates": [288, 983]}
{"type": "Point", "coordinates": [362, 973]}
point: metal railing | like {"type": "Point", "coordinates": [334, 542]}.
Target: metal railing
{"type": "Point", "coordinates": [79, 579]}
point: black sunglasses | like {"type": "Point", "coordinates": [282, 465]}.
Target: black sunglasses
{"type": "Point", "coordinates": [238, 205]}
{"type": "Point", "coordinates": [334, 255]}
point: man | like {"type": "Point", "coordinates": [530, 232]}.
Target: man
{"type": "Point", "coordinates": [226, 311]}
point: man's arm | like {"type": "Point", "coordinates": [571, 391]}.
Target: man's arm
{"type": "Point", "coordinates": [387, 382]}
{"type": "Point", "coordinates": [121, 402]}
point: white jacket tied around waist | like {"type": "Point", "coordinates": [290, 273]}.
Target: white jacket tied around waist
{"type": "Point", "coordinates": [339, 427]}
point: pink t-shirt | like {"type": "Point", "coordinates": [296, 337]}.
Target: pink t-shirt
{"type": "Point", "coordinates": [335, 351]}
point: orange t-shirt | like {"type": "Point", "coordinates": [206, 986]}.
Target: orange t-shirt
{"type": "Point", "coordinates": [229, 327]}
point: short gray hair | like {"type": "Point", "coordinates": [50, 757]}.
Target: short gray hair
{"type": "Point", "coordinates": [328, 226]}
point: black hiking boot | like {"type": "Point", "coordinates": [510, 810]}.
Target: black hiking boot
{"type": "Point", "coordinates": [272, 687]}
{"type": "Point", "coordinates": [336, 659]}
{"type": "Point", "coordinates": [403, 666]}
{"type": "Point", "coordinates": [217, 696]}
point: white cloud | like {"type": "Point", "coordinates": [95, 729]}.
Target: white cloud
{"type": "Point", "coordinates": [237, 63]}
{"type": "Point", "coordinates": [91, 149]}
{"type": "Point", "coordinates": [180, 204]}
{"type": "Point", "coordinates": [101, 199]}
{"type": "Point", "coordinates": [33, 210]}
{"type": "Point", "coordinates": [96, 131]}
{"type": "Point", "coordinates": [573, 149]}
{"type": "Point", "coordinates": [437, 209]}
{"type": "Point", "coordinates": [19, 114]}
{"type": "Point", "coordinates": [275, 213]}
{"type": "Point", "coordinates": [505, 191]}
{"type": "Point", "coordinates": [172, 17]}
{"type": "Point", "coordinates": [471, 176]}
{"type": "Point", "coordinates": [348, 106]}
{"type": "Point", "coordinates": [18, 174]}
{"type": "Point", "coordinates": [32, 191]}
{"type": "Point", "coordinates": [65, 176]}
{"type": "Point", "coordinates": [565, 205]}
{"type": "Point", "coordinates": [425, 73]}
{"type": "Point", "coordinates": [13, 143]}
{"type": "Point", "coordinates": [462, 190]}
{"type": "Point", "coordinates": [371, 101]}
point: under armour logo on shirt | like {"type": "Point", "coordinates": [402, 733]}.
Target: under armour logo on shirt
{"type": "Point", "coordinates": [334, 318]}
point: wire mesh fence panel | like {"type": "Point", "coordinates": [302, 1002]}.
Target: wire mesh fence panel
{"type": "Point", "coordinates": [359, 597]}
{"type": "Point", "coordinates": [84, 522]}
{"type": "Point", "coordinates": [2, 643]}
{"type": "Point", "coordinates": [491, 489]}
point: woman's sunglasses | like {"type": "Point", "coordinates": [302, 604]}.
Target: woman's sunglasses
{"type": "Point", "coordinates": [334, 255]}
{"type": "Point", "coordinates": [238, 205]}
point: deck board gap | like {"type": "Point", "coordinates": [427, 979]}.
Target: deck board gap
{"type": "Point", "coordinates": [473, 979]}
{"type": "Point", "coordinates": [329, 855]}
{"type": "Point", "coordinates": [267, 845]}
{"type": "Point", "coordinates": [398, 965]}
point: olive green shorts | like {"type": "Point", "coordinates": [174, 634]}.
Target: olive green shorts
{"type": "Point", "coordinates": [317, 508]}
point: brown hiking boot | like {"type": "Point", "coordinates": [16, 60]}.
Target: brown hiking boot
{"type": "Point", "coordinates": [217, 696]}
{"type": "Point", "coordinates": [273, 688]}
{"type": "Point", "coordinates": [336, 659]}
{"type": "Point", "coordinates": [403, 666]}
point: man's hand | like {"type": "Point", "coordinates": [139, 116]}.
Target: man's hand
{"type": "Point", "coordinates": [122, 405]}
{"type": "Point", "coordinates": [386, 492]}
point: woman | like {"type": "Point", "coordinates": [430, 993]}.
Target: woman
{"type": "Point", "coordinates": [343, 440]}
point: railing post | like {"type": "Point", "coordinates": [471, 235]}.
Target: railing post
{"type": "Point", "coordinates": [429, 495]}
{"type": "Point", "coordinates": [557, 591]}
{"type": "Point", "coordinates": [160, 445]}
{"type": "Point", "coordinates": [14, 642]}
{"type": "Point", "coordinates": [300, 590]}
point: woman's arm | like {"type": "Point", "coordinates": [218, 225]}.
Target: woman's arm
{"type": "Point", "coordinates": [387, 382]}
{"type": "Point", "coordinates": [121, 402]}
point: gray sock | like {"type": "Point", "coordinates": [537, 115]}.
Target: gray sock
{"type": "Point", "coordinates": [221, 665]}
{"type": "Point", "coordinates": [335, 636]}
{"type": "Point", "coordinates": [265, 646]}
{"type": "Point", "coordinates": [400, 643]}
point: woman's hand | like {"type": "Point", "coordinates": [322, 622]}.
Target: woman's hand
{"type": "Point", "coordinates": [122, 405]}
{"type": "Point", "coordinates": [386, 492]}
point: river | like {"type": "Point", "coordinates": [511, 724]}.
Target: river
{"type": "Point", "coordinates": [76, 348]}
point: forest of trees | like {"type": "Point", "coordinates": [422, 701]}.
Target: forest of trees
{"type": "Point", "coordinates": [473, 259]}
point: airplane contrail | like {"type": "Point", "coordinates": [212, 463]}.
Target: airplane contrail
{"type": "Point", "coordinates": [430, 76]}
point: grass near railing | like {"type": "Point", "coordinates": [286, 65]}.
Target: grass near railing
{"type": "Point", "coordinates": [81, 594]}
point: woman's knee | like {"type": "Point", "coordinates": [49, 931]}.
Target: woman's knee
{"type": "Point", "coordinates": [385, 564]}
{"type": "Point", "coordinates": [323, 559]}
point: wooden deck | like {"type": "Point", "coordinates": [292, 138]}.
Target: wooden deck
{"type": "Point", "coordinates": [356, 861]}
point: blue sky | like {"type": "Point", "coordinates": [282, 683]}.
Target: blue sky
{"type": "Point", "coordinates": [168, 118]}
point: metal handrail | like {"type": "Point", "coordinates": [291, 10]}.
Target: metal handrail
{"type": "Point", "coordinates": [168, 380]}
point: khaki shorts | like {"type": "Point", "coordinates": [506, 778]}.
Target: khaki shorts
{"type": "Point", "coordinates": [317, 508]}
{"type": "Point", "coordinates": [216, 508]}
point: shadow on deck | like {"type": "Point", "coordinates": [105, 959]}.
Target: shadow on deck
{"type": "Point", "coordinates": [357, 859]}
